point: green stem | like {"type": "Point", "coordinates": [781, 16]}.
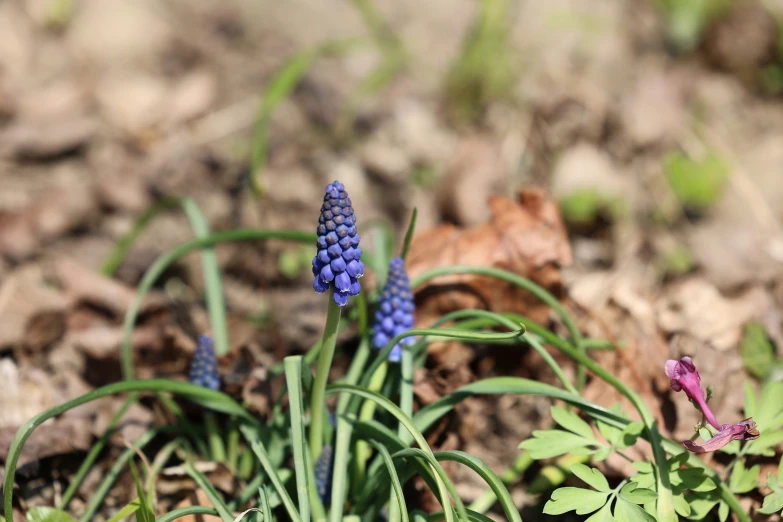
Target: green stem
{"type": "Point", "coordinates": [317, 398]}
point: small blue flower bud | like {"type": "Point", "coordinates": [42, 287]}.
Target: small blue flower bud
{"type": "Point", "coordinates": [323, 472]}
{"type": "Point", "coordinates": [395, 310]}
{"type": "Point", "coordinates": [203, 371]}
{"type": "Point", "coordinates": [337, 264]}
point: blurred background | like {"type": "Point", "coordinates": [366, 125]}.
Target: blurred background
{"type": "Point", "coordinates": [655, 125]}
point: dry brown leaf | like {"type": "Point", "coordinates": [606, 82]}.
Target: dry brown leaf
{"type": "Point", "coordinates": [697, 308]}
{"type": "Point", "coordinates": [526, 237]}
{"type": "Point", "coordinates": [26, 300]}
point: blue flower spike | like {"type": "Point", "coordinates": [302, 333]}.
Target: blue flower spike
{"type": "Point", "coordinates": [323, 473]}
{"type": "Point", "coordinates": [203, 371]}
{"type": "Point", "coordinates": [395, 310]}
{"type": "Point", "coordinates": [337, 265]}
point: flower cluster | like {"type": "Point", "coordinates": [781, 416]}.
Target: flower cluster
{"type": "Point", "coordinates": [323, 472]}
{"type": "Point", "coordinates": [685, 377]}
{"type": "Point", "coordinates": [203, 371]}
{"type": "Point", "coordinates": [337, 265]}
{"type": "Point", "coordinates": [395, 310]}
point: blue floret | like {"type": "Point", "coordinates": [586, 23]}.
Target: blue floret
{"type": "Point", "coordinates": [203, 371]}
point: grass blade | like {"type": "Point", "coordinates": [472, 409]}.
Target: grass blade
{"type": "Point", "coordinates": [120, 251]}
{"type": "Point", "coordinates": [103, 488]}
{"type": "Point", "coordinates": [340, 470]}
{"type": "Point", "coordinates": [266, 463]}
{"type": "Point", "coordinates": [185, 512]}
{"type": "Point", "coordinates": [489, 476]}
{"type": "Point", "coordinates": [387, 459]}
{"type": "Point", "coordinates": [293, 377]}
{"type": "Point", "coordinates": [95, 450]}
{"type": "Point", "coordinates": [409, 234]}
{"type": "Point", "coordinates": [126, 511]}
{"type": "Point", "coordinates": [213, 287]}
{"type": "Point", "coordinates": [214, 497]}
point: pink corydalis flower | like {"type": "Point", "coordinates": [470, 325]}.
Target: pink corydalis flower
{"type": "Point", "coordinates": [685, 377]}
{"type": "Point", "coordinates": [745, 430]}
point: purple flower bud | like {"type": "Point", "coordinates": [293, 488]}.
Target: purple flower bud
{"type": "Point", "coordinates": [326, 274]}
{"type": "Point", "coordinates": [745, 430]}
{"type": "Point", "coordinates": [320, 286]}
{"type": "Point", "coordinates": [355, 268]}
{"type": "Point", "coordinates": [685, 377]}
{"type": "Point", "coordinates": [342, 282]}
{"type": "Point", "coordinates": [203, 370]}
{"type": "Point", "coordinates": [337, 247]}
{"type": "Point", "coordinates": [395, 313]}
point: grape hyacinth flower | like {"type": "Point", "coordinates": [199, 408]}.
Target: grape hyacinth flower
{"type": "Point", "coordinates": [203, 371]}
{"type": "Point", "coordinates": [323, 472]}
{"type": "Point", "coordinates": [685, 377]}
{"type": "Point", "coordinates": [745, 430]}
{"type": "Point", "coordinates": [337, 265]}
{"type": "Point", "coordinates": [395, 310]}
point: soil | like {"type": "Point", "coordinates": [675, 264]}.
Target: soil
{"type": "Point", "coordinates": [108, 106]}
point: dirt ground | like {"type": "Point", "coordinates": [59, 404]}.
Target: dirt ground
{"type": "Point", "coordinates": [108, 106]}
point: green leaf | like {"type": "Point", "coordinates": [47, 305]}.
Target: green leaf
{"type": "Point", "coordinates": [770, 410]}
{"type": "Point", "coordinates": [583, 501]}
{"type": "Point", "coordinates": [701, 504]}
{"type": "Point", "coordinates": [772, 503]}
{"type": "Point", "coordinates": [723, 511]}
{"type": "Point", "coordinates": [552, 443]}
{"type": "Point", "coordinates": [127, 511]}
{"type": "Point", "coordinates": [743, 480]}
{"type": "Point", "coordinates": [751, 404]}
{"type": "Point", "coordinates": [758, 354]}
{"type": "Point", "coordinates": [571, 421]}
{"type": "Point", "coordinates": [631, 492]}
{"type": "Point", "coordinates": [693, 479]}
{"type": "Point", "coordinates": [144, 513]}
{"type": "Point", "coordinates": [630, 435]}
{"type": "Point", "coordinates": [681, 505]}
{"type": "Point", "coordinates": [602, 515]}
{"type": "Point", "coordinates": [293, 377]}
{"type": "Point", "coordinates": [764, 444]}
{"type": "Point", "coordinates": [48, 514]}
{"type": "Point", "coordinates": [602, 454]}
{"type": "Point", "coordinates": [644, 480]}
{"type": "Point", "coordinates": [697, 184]}
{"type": "Point", "coordinates": [626, 512]}
{"type": "Point", "coordinates": [591, 477]}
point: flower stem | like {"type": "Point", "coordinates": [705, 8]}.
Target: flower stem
{"type": "Point", "coordinates": [318, 394]}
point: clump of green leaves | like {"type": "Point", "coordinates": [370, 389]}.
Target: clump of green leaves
{"type": "Point", "coordinates": [686, 20]}
{"type": "Point", "coordinates": [627, 498]}
{"type": "Point", "coordinates": [696, 183]}
{"type": "Point", "coordinates": [584, 206]}
{"type": "Point", "coordinates": [675, 261]}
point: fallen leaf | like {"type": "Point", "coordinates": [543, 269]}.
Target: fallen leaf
{"type": "Point", "coordinates": [25, 301]}
{"type": "Point", "coordinates": [526, 237]}
{"type": "Point", "coordinates": [697, 308]}
{"type": "Point", "coordinates": [46, 141]}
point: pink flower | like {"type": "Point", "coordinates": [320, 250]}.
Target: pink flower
{"type": "Point", "coordinates": [745, 430]}
{"type": "Point", "coordinates": [685, 377]}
